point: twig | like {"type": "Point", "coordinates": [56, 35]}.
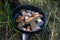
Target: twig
{"type": "Point", "coordinates": [3, 22]}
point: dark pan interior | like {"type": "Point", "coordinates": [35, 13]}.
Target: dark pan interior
{"type": "Point", "coordinates": [27, 7]}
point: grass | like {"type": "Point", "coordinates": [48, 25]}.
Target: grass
{"type": "Point", "coordinates": [51, 30]}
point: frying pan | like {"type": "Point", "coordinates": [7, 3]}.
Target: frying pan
{"type": "Point", "coordinates": [15, 14]}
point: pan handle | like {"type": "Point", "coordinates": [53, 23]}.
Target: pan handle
{"type": "Point", "coordinates": [25, 36]}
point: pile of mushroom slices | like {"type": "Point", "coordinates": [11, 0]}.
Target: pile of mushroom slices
{"type": "Point", "coordinates": [29, 21]}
